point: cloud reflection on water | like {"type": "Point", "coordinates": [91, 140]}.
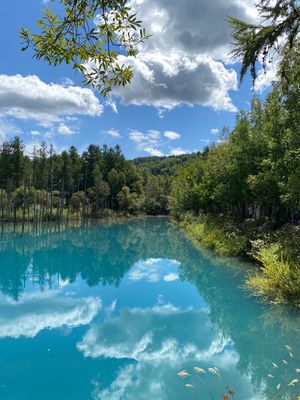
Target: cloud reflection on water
{"type": "Point", "coordinates": [158, 342]}
{"type": "Point", "coordinates": [46, 310]}
{"type": "Point", "coordinates": [154, 269]}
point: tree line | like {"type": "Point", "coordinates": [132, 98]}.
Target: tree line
{"type": "Point", "coordinates": [46, 186]}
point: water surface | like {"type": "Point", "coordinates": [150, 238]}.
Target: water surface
{"type": "Point", "coordinates": [114, 312]}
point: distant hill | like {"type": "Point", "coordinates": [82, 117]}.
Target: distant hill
{"type": "Point", "coordinates": [166, 166]}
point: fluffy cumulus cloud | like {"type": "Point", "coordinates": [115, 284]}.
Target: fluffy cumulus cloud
{"type": "Point", "coordinates": [168, 81]}
{"type": "Point", "coordinates": [186, 60]}
{"type": "Point", "coordinates": [193, 28]}
{"type": "Point", "coordinates": [39, 311]}
{"type": "Point", "coordinates": [27, 97]}
{"type": "Point", "coordinates": [151, 142]}
{"type": "Point", "coordinates": [65, 130]}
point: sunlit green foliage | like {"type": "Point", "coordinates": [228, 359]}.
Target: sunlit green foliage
{"type": "Point", "coordinates": [280, 276]}
{"type": "Point", "coordinates": [89, 35]}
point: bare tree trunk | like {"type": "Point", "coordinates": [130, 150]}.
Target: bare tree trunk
{"type": "Point", "coordinates": [23, 209]}
{"type": "Point", "coordinates": [34, 213]}
{"type": "Point", "coordinates": [2, 213]}
{"type": "Point", "coordinates": [28, 204]}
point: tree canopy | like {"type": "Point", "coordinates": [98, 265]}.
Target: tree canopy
{"type": "Point", "coordinates": [278, 32]}
{"type": "Point", "coordinates": [90, 35]}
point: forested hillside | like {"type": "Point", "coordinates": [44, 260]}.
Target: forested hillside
{"type": "Point", "coordinates": [167, 166]}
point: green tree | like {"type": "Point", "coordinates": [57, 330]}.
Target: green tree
{"type": "Point", "coordinates": [278, 32]}
{"type": "Point", "coordinates": [88, 32]}
{"type": "Point", "coordinates": [128, 201]}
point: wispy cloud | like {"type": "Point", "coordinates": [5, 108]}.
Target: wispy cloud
{"type": "Point", "coordinates": [113, 133]}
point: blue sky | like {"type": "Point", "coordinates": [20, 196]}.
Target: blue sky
{"type": "Point", "coordinates": [185, 87]}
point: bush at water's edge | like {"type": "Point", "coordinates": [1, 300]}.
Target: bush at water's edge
{"type": "Point", "coordinates": [276, 250]}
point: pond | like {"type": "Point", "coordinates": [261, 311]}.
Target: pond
{"type": "Point", "coordinates": [115, 312]}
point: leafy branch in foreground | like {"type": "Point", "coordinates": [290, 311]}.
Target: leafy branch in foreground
{"type": "Point", "coordinates": [278, 32]}
{"type": "Point", "coordinates": [90, 35]}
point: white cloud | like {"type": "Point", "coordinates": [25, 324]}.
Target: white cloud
{"type": "Point", "coordinates": [214, 131]}
{"type": "Point", "coordinates": [153, 152]}
{"type": "Point", "coordinates": [136, 136]}
{"type": "Point", "coordinates": [153, 134]}
{"type": "Point", "coordinates": [150, 142]}
{"type": "Point", "coordinates": [27, 97]}
{"type": "Point", "coordinates": [172, 135]}
{"type": "Point", "coordinates": [34, 133]}
{"type": "Point", "coordinates": [36, 312]}
{"type": "Point", "coordinates": [113, 105]}
{"type": "Point", "coordinates": [178, 151]}
{"type": "Point", "coordinates": [147, 142]}
{"type": "Point", "coordinates": [265, 78]}
{"type": "Point", "coordinates": [187, 59]}
{"type": "Point", "coordinates": [171, 277]}
{"type": "Point", "coordinates": [113, 133]}
{"type": "Point", "coordinates": [65, 130]}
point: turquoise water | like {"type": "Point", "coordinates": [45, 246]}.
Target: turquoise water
{"type": "Point", "coordinates": [115, 312]}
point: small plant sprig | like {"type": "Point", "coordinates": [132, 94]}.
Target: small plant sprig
{"type": "Point", "coordinates": [227, 393]}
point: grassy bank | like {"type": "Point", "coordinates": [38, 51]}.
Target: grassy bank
{"type": "Point", "coordinates": [277, 251]}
